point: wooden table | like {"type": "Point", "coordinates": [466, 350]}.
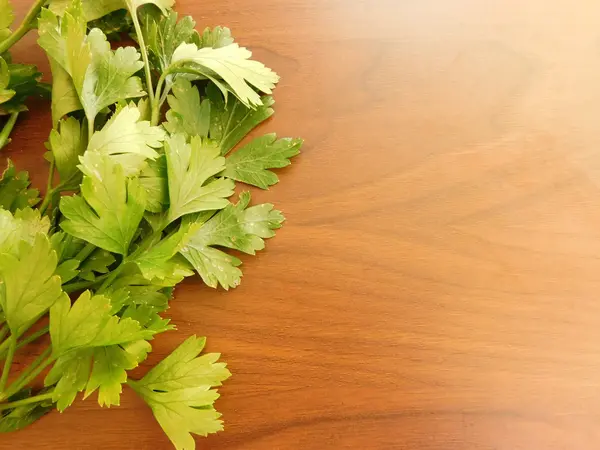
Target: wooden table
{"type": "Point", "coordinates": [437, 284]}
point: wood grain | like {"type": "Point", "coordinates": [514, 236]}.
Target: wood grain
{"type": "Point", "coordinates": [436, 285]}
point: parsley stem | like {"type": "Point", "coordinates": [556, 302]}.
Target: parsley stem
{"type": "Point", "coordinates": [26, 401]}
{"type": "Point", "coordinates": [3, 332]}
{"type": "Point", "coordinates": [144, 52]}
{"type": "Point", "coordinates": [85, 252]}
{"type": "Point", "coordinates": [49, 189]}
{"type": "Point", "coordinates": [23, 28]}
{"type": "Point", "coordinates": [8, 363]}
{"type": "Point", "coordinates": [8, 127]}
{"type": "Point", "coordinates": [31, 373]}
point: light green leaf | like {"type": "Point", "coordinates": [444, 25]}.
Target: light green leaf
{"type": "Point", "coordinates": [64, 94]}
{"type": "Point", "coordinates": [187, 114]}
{"type": "Point", "coordinates": [153, 179]}
{"type": "Point", "coordinates": [5, 94]}
{"type": "Point", "coordinates": [191, 168]}
{"type": "Point", "coordinates": [110, 209]}
{"type": "Point", "coordinates": [110, 77]}
{"type": "Point", "coordinates": [89, 322]}
{"type": "Point", "coordinates": [14, 189]}
{"type": "Point", "coordinates": [239, 227]}
{"type": "Point", "coordinates": [25, 225]}
{"type": "Point", "coordinates": [128, 141]}
{"type": "Point", "coordinates": [68, 142]}
{"type": "Point", "coordinates": [157, 262]}
{"type": "Point", "coordinates": [231, 64]}
{"type": "Point", "coordinates": [70, 373]}
{"type": "Point", "coordinates": [68, 270]}
{"type": "Point", "coordinates": [249, 164]}
{"type": "Point", "coordinates": [110, 370]}
{"type": "Point", "coordinates": [236, 227]}
{"type": "Point", "coordinates": [92, 9]}
{"type": "Point", "coordinates": [216, 38]}
{"type": "Point", "coordinates": [163, 34]}
{"type": "Point", "coordinates": [29, 287]}
{"type": "Point", "coordinates": [178, 390]}
{"type": "Point", "coordinates": [214, 266]}
{"type": "Point", "coordinates": [231, 121]}
{"type": "Point", "coordinates": [164, 5]}
{"type": "Point", "coordinates": [8, 15]}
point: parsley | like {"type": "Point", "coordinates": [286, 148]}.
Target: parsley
{"type": "Point", "coordinates": [143, 162]}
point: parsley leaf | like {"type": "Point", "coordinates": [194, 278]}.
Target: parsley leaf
{"type": "Point", "coordinates": [128, 140]}
{"type": "Point", "coordinates": [110, 209]}
{"type": "Point", "coordinates": [29, 287]}
{"type": "Point", "coordinates": [249, 163]}
{"type": "Point", "coordinates": [190, 170]}
{"type": "Point", "coordinates": [231, 64]}
{"type": "Point", "coordinates": [178, 390]}
{"type": "Point", "coordinates": [92, 9]}
{"type": "Point", "coordinates": [231, 121]}
{"type": "Point", "coordinates": [187, 114]}
{"type": "Point", "coordinates": [153, 179]}
{"type": "Point", "coordinates": [69, 374]}
{"type": "Point", "coordinates": [24, 226]}
{"type": "Point", "coordinates": [216, 38]}
{"type": "Point", "coordinates": [237, 227]}
{"type": "Point", "coordinates": [110, 369]}
{"type": "Point", "coordinates": [89, 322]}
{"type": "Point", "coordinates": [67, 142]}
{"type": "Point", "coordinates": [6, 18]}
{"type": "Point", "coordinates": [14, 189]}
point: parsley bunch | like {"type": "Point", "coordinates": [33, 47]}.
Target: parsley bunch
{"type": "Point", "coordinates": [143, 161]}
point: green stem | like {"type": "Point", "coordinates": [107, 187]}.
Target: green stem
{"type": "Point", "coordinates": [82, 285]}
{"type": "Point", "coordinates": [30, 374]}
{"type": "Point", "coordinates": [32, 337]}
{"type": "Point", "coordinates": [144, 52]}
{"type": "Point", "coordinates": [85, 252]}
{"type": "Point", "coordinates": [3, 332]}
{"type": "Point", "coordinates": [17, 385]}
{"type": "Point", "coordinates": [26, 401]}
{"type": "Point", "coordinates": [8, 127]}
{"type": "Point", "coordinates": [91, 125]}
{"type": "Point", "coordinates": [8, 363]}
{"type": "Point", "coordinates": [49, 189]}
{"type": "Point", "coordinates": [23, 28]}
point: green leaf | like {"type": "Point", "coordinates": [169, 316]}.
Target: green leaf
{"type": "Point", "coordinates": [187, 114]}
{"type": "Point", "coordinates": [29, 287]}
{"type": "Point", "coordinates": [231, 121]}
{"type": "Point", "coordinates": [164, 5]}
{"type": "Point", "coordinates": [110, 370]}
{"type": "Point", "coordinates": [64, 95]}
{"type": "Point", "coordinates": [127, 140]}
{"type": "Point", "coordinates": [67, 142]}
{"type": "Point", "coordinates": [89, 322]}
{"type": "Point", "coordinates": [236, 227]}
{"type": "Point", "coordinates": [113, 24]}
{"type": "Point", "coordinates": [216, 38]}
{"type": "Point", "coordinates": [68, 270]}
{"type": "Point", "coordinates": [70, 374]}
{"type": "Point", "coordinates": [97, 262]}
{"type": "Point", "coordinates": [14, 192]}
{"type": "Point", "coordinates": [157, 262]}
{"type": "Point", "coordinates": [111, 77]}
{"type": "Point", "coordinates": [153, 179]}
{"type": "Point", "coordinates": [249, 164]}
{"type": "Point", "coordinates": [24, 83]}
{"type": "Point", "coordinates": [92, 9]}
{"type": "Point", "coordinates": [231, 64]}
{"type": "Point", "coordinates": [5, 94]}
{"type": "Point", "coordinates": [110, 209]}
{"type": "Point", "coordinates": [18, 418]}
{"type": "Point", "coordinates": [214, 266]}
{"type": "Point", "coordinates": [163, 34]}
{"type": "Point", "coordinates": [7, 17]}
{"type": "Point", "coordinates": [190, 169]}
{"type": "Point", "coordinates": [65, 245]}
{"type": "Point", "coordinates": [24, 225]}
{"type": "Point", "coordinates": [178, 390]}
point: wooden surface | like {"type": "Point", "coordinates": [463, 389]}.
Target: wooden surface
{"type": "Point", "coordinates": [437, 283]}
